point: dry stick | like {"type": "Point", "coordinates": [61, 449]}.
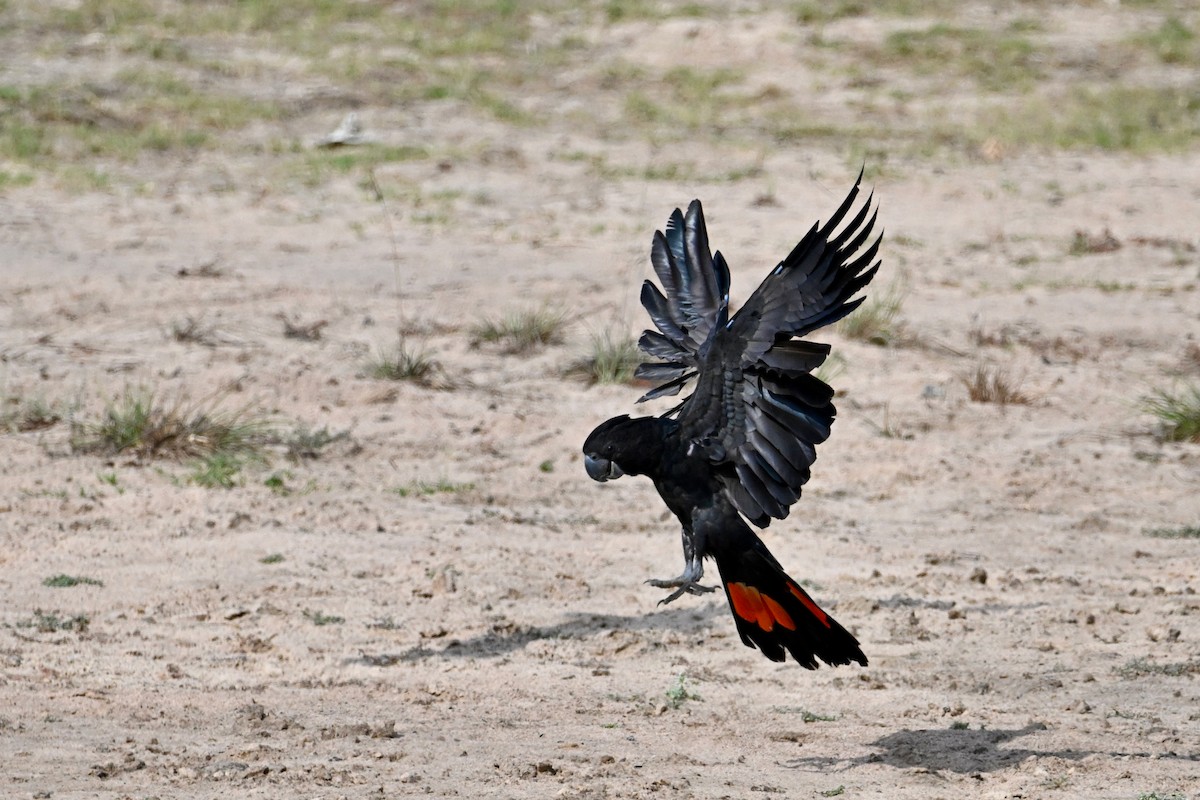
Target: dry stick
{"type": "Point", "coordinates": [387, 218]}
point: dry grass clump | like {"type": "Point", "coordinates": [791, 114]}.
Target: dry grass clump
{"type": "Point", "coordinates": [404, 362]}
{"type": "Point", "coordinates": [989, 384]}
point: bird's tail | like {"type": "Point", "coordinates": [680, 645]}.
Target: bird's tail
{"type": "Point", "coordinates": [775, 615]}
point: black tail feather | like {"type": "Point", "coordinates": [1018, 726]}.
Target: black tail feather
{"type": "Point", "coordinates": [775, 615]}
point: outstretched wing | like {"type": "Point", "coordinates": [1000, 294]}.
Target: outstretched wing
{"type": "Point", "coordinates": [694, 301]}
{"type": "Point", "coordinates": [757, 412]}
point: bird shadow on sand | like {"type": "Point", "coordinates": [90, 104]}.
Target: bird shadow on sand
{"type": "Point", "coordinates": [965, 751]}
{"type": "Point", "coordinates": [504, 639]}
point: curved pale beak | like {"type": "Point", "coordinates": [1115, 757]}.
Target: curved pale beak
{"type": "Point", "coordinates": [601, 469]}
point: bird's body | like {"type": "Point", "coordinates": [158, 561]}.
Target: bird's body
{"type": "Point", "coordinates": [741, 445]}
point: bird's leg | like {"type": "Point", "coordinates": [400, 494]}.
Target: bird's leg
{"type": "Point", "coordinates": [693, 570]}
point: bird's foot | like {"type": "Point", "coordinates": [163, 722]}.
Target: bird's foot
{"type": "Point", "coordinates": [682, 586]}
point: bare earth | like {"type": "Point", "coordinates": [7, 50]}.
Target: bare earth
{"type": "Point", "coordinates": [1027, 637]}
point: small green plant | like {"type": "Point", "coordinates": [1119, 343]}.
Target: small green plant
{"type": "Point", "coordinates": [217, 471]}
{"type": "Point", "coordinates": [546, 466]}
{"type": "Point", "coordinates": [66, 581]}
{"type": "Point", "coordinates": [959, 725]}
{"type": "Point", "coordinates": [876, 320]}
{"type": "Point", "coordinates": [679, 694]}
{"type": "Point", "coordinates": [1178, 413]}
{"type": "Point", "coordinates": [273, 558]}
{"type": "Point", "coordinates": [440, 486]}
{"type": "Point", "coordinates": [808, 716]}
{"type": "Point", "coordinates": [1183, 532]}
{"type": "Point", "coordinates": [320, 618]}
{"type": "Point", "coordinates": [613, 358]}
{"type": "Point", "coordinates": [993, 385]}
{"type": "Point", "coordinates": [522, 331]}
{"type": "Point", "coordinates": [405, 362]}
{"type": "Point", "coordinates": [835, 792]}
{"type": "Point", "coordinates": [277, 483]}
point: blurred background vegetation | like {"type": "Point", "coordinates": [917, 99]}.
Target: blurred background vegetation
{"type": "Point", "coordinates": [97, 94]}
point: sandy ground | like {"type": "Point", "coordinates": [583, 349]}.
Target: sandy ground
{"type": "Point", "coordinates": [1027, 637]}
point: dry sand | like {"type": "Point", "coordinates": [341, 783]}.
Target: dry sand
{"type": "Point", "coordinates": [495, 639]}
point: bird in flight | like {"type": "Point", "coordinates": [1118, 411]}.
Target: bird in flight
{"type": "Point", "coordinates": [741, 445]}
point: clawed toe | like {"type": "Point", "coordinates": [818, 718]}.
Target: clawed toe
{"type": "Point", "coordinates": [682, 587]}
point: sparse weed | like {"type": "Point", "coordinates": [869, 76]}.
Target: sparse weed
{"type": "Point", "coordinates": [273, 558]}
{"type": "Point", "coordinates": [521, 332]}
{"type": "Point", "coordinates": [193, 330]}
{"type": "Point", "coordinates": [679, 694]}
{"type": "Point", "coordinates": [21, 415]}
{"type": "Point", "coordinates": [876, 320]}
{"type": "Point", "coordinates": [613, 359]}
{"type": "Point", "coordinates": [887, 429]}
{"type": "Point", "coordinates": [993, 385]}
{"type": "Point", "coordinates": [808, 716]}
{"type": "Point", "coordinates": [50, 622]}
{"type": "Point", "coordinates": [308, 443]}
{"type": "Point", "coordinates": [406, 362]}
{"type": "Point", "coordinates": [302, 331]}
{"type": "Point", "coordinates": [140, 422]}
{"type": "Point", "coordinates": [320, 618]}
{"type": "Point", "coordinates": [1178, 413]}
{"type": "Point", "coordinates": [1139, 667]}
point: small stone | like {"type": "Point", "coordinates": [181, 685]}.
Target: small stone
{"type": "Point", "coordinates": [979, 575]}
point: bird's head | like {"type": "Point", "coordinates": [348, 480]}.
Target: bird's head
{"type": "Point", "coordinates": [623, 446]}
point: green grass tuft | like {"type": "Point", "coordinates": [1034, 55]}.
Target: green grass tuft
{"type": "Point", "coordinates": [405, 362]}
{"type": "Point", "coordinates": [65, 581]}
{"type": "Point", "coordinates": [521, 332]}
{"type": "Point", "coordinates": [1178, 413]}
{"type": "Point", "coordinates": [1183, 532]}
